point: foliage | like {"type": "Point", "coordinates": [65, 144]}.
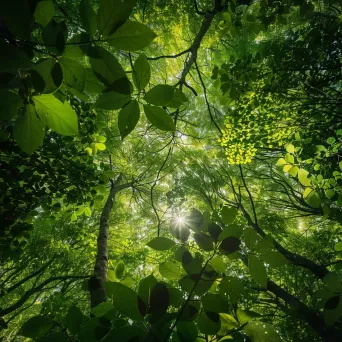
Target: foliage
{"type": "Point", "coordinates": [170, 171]}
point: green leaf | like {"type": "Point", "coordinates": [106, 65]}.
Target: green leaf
{"type": "Point", "coordinates": [145, 287]}
{"type": "Point", "coordinates": [230, 230]}
{"type": "Point", "coordinates": [209, 323]}
{"type": "Point", "coordinates": [93, 85]}
{"type": "Point", "coordinates": [196, 221]}
{"type": "Point", "coordinates": [303, 177]}
{"type": "Point", "coordinates": [218, 264]}
{"type": "Point", "coordinates": [132, 36]}
{"type": "Point", "coordinates": [73, 320]}
{"type": "Point", "coordinates": [293, 171]}
{"type": "Point", "coordinates": [119, 270]}
{"type": "Point", "coordinates": [29, 130]}
{"type": "Point", "coordinates": [229, 245]}
{"type": "Point", "coordinates": [125, 334]}
{"type": "Point", "coordinates": [290, 148]}
{"type": "Point", "coordinates": [228, 215]}
{"type": "Point", "coordinates": [244, 316]}
{"type": "Point", "coordinates": [215, 303]}
{"type": "Point", "coordinates": [232, 287]}
{"type": "Point", "coordinates": [17, 17]}
{"type": "Point", "coordinates": [141, 72]}
{"type": "Point", "coordinates": [54, 37]}
{"type": "Point", "coordinates": [312, 198]}
{"type": "Point", "coordinates": [178, 99]}
{"type": "Point", "coordinates": [330, 193]}
{"type": "Point", "coordinates": [111, 100]}
{"type": "Point", "coordinates": [75, 74]}
{"type": "Point", "coordinates": [112, 14]}
{"type": "Point", "coordinates": [281, 162]}
{"type": "Point", "coordinates": [274, 259]}
{"type": "Point", "coordinates": [128, 118]}
{"type": "Point", "coordinates": [105, 65]}
{"type": "Point", "coordinates": [52, 74]}
{"type": "Point", "coordinates": [175, 296]}
{"type": "Point", "coordinates": [289, 158]}
{"type": "Point", "coordinates": [45, 10]}
{"type": "Point", "coordinates": [160, 95]}
{"type": "Point", "coordinates": [125, 300]}
{"type": "Point", "coordinates": [204, 241]}
{"type": "Point", "coordinates": [10, 104]}
{"type": "Point", "coordinates": [261, 332]}
{"type": "Point", "coordinates": [333, 282]}
{"type": "Point", "coordinates": [187, 331]}
{"type": "Point", "coordinates": [12, 58]}
{"type": "Point", "coordinates": [338, 246]}
{"type": "Point", "coordinates": [257, 270]}
{"type": "Point", "coordinates": [88, 17]}
{"type": "Point", "coordinates": [58, 116]}
{"type": "Point", "coordinates": [159, 302]}
{"type": "Point", "coordinates": [74, 48]}
{"type": "Point", "coordinates": [36, 327]}
{"type": "Point", "coordinates": [102, 309]}
{"type": "Point", "coordinates": [161, 244]}
{"type": "Point", "coordinates": [93, 330]}
{"type": "Point", "coordinates": [159, 118]}
{"type": "Point", "coordinates": [250, 237]}
{"type": "Point", "coordinates": [169, 270]}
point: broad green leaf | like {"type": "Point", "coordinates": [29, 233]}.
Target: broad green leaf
{"type": "Point", "coordinates": [112, 14]}
{"type": "Point", "coordinates": [312, 198]}
{"type": "Point", "coordinates": [12, 58]}
{"type": "Point", "coordinates": [161, 244]}
{"type": "Point", "coordinates": [132, 36]}
{"type": "Point", "coordinates": [333, 310]}
{"type": "Point", "coordinates": [178, 99]}
{"type": "Point", "coordinates": [338, 246]}
{"type": "Point", "coordinates": [209, 323]}
{"type": "Point", "coordinates": [52, 74]}
{"type": "Point", "coordinates": [218, 264]}
{"type": "Point", "coordinates": [250, 237]}
{"type": "Point", "coordinates": [119, 270]}
{"type": "Point", "coordinates": [74, 48]}
{"type": "Point", "coordinates": [281, 162]}
{"type": "Point", "coordinates": [93, 330]}
{"type": "Point", "coordinates": [54, 37]}
{"type": "Point", "coordinates": [102, 309]}
{"type": "Point", "coordinates": [128, 118]}
{"type": "Point", "coordinates": [111, 100]}
{"type": "Point", "coordinates": [215, 303]}
{"type": "Point", "coordinates": [10, 104]}
{"type": "Point", "coordinates": [29, 130]}
{"type": "Point", "coordinates": [175, 296]}
{"type": "Point", "coordinates": [160, 95]}
{"type": "Point", "coordinates": [45, 10]}
{"type": "Point", "coordinates": [159, 302]}
{"type": "Point", "coordinates": [232, 287]}
{"type": "Point", "coordinates": [246, 315]}
{"type": "Point", "coordinates": [187, 331]}
{"type": "Point", "coordinates": [228, 215]}
{"type": "Point", "coordinates": [36, 327]}
{"type": "Point", "coordinates": [293, 171]}
{"type": "Point", "coordinates": [74, 73]}
{"type": "Point", "coordinates": [159, 118]}
{"type": "Point", "coordinates": [231, 230]}
{"type": "Point", "coordinates": [229, 245]}
{"type": "Point", "coordinates": [196, 221]}
{"type": "Point", "coordinates": [204, 241]}
{"type": "Point", "coordinates": [290, 148]}
{"type": "Point", "coordinates": [55, 337]}
{"type": "Point", "coordinates": [73, 320]}
{"type": "Point", "coordinates": [125, 334]}
{"type": "Point", "coordinates": [169, 270]}
{"type": "Point", "coordinates": [17, 17]}
{"type": "Point", "coordinates": [58, 116]}
{"type": "Point", "coordinates": [125, 300]}
{"type": "Point", "coordinates": [93, 85]}
{"type": "Point", "coordinates": [105, 65]}
{"type": "Point", "coordinates": [289, 158]}
{"type": "Point", "coordinates": [214, 230]}
{"type": "Point", "coordinates": [88, 17]}
{"type": "Point", "coordinates": [261, 332]}
{"type": "Point", "coordinates": [145, 287]}
{"type": "Point", "coordinates": [274, 259]}
{"type": "Point", "coordinates": [141, 72]}
{"type": "Point", "coordinates": [303, 177]}
{"type": "Point", "coordinates": [257, 270]}
{"type": "Point", "coordinates": [333, 282]}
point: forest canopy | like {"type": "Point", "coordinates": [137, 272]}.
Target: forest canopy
{"type": "Point", "coordinates": [170, 170]}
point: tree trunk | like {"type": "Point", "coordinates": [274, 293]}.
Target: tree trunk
{"type": "Point", "coordinates": [96, 282]}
